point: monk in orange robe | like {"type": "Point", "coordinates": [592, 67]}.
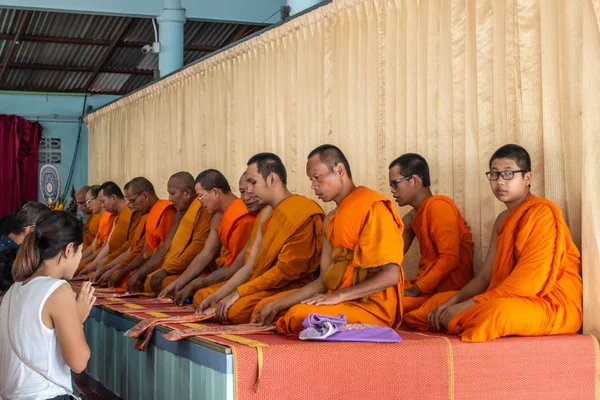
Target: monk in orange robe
{"type": "Point", "coordinates": [158, 216]}
{"type": "Point", "coordinates": [90, 225]}
{"type": "Point", "coordinates": [207, 285]}
{"type": "Point", "coordinates": [187, 241]}
{"type": "Point", "coordinates": [105, 226]}
{"type": "Point", "coordinates": [444, 236]}
{"type": "Point", "coordinates": [230, 228]}
{"type": "Point", "coordinates": [92, 219]}
{"type": "Point", "coordinates": [289, 251]}
{"type": "Point", "coordinates": [361, 275]}
{"type": "Point", "coordinates": [114, 201]}
{"type": "Point", "coordinates": [530, 284]}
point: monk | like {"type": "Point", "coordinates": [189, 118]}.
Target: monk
{"type": "Point", "coordinates": [444, 236]}
{"type": "Point", "coordinates": [113, 201]}
{"type": "Point", "coordinates": [158, 217]}
{"type": "Point", "coordinates": [230, 228]}
{"type": "Point", "coordinates": [530, 283]}
{"type": "Point", "coordinates": [290, 249]}
{"type": "Point", "coordinates": [187, 241]}
{"type": "Point", "coordinates": [205, 286]}
{"type": "Point", "coordinates": [361, 273]}
{"type": "Point", "coordinates": [92, 219]}
{"type": "Point", "coordinates": [105, 226]}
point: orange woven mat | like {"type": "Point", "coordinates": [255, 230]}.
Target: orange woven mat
{"type": "Point", "coordinates": [424, 366]}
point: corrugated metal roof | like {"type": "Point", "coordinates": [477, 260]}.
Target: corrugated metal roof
{"type": "Point", "coordinates": [140, 30]}
{"type": "Point", "coordinates": [79, 26]}
{"type": "Point", "coordinates": [213, 34]}
{"type": "Point", "coordinates": [53, 81]}
{"type": "Point", "coordinates": [132, 57]}
{"type": "Point", "coordinates": [9, 21]}
{"type": "Point", "coordinates": [50, 39]}
{"type": "Point", "coordinates": [191, 55]}
{"type": "Point", "coordinates": [4, 47]}
{"type": "Point", "coordinates": [59, 54]}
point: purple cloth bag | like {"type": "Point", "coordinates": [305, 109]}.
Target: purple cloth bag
{"type": "Point", "coordinates": [335, 329]}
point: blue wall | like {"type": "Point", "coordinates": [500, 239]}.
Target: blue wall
{"type": "Point", "coordinates": [42, 108]}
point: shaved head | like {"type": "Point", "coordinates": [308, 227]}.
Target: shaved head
{"type": "Point", "coordinates": [331, 156]}
{"type": "Point", "coordinates": [80, 200]}
{"type": "Point", "coordinates": [140, 184]}
{"type": "Point", "coordinates": [182, 180]}
{"type": "Point", "coordinates": [81, 191]}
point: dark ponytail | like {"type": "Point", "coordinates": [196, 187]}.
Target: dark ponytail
{"type": "Point", "coordinates": [50, 237]}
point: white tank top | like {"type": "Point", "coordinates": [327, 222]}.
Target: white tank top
{"type": "Point", "coordinates": [36, 344]}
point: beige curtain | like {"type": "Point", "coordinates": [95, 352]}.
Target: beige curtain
{"type": "Point", "coordinates": [450, 79]}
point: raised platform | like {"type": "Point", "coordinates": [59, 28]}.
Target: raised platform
{"type": "Point", "coordinates": [424, 366]}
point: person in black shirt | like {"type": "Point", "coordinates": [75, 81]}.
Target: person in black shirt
{"type": "Point", "coordinates": [18, 226]}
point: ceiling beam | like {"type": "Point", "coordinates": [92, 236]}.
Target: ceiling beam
{"type": "Point", "coordinates": [72, 68]}
{"type": "Point", "coordinates": [111, 47]}
{"type": "Point", "coordinates": [15, 41]}
{"type": "Point", "coordinates": [96, 42]}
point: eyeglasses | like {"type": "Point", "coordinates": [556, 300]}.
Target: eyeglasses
{"type": "Point", "coordinates": [90, 200]}
{"type": "Point", "coordinates": [394, 184]}
{"type": "Point", "coordinates": [506, 175]}
{"type": "Point", "coordinates": [131, 201]}
{"type": "Point", "coordinates": [201, 197]}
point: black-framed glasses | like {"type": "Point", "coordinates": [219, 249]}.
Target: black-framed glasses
{"type": "Point", "coordinates": [90, 200]}
{"type": "Point", "coordinates": [506, 175]}
{"type": "Point", "coordinates": [394, 183]}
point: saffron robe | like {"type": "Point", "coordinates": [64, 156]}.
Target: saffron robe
{"type": "Point", "coordinates": [125, 225]}
{"type": "Point", "coordinates": [289, 254]}
{"type": "Point", "coordinates": [188, 241]}
{"type": "Point", "coordinates": [92, 224]}
{"type": "Point", "coordinates": [365, 232]}
{"type": "Point", "coordinates": [446, 248]}
{"type": "Point", "coordinates": [535, 288]}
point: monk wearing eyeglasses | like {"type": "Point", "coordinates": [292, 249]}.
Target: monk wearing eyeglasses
{"type": "Point", "coordinates": [444, 236]}
{"type": "Point", "coordinates": [230, 229]}
{"type": "Point", "coordinates": [92, 220]}
{"type": "Point", "coordinates": [530, 284]}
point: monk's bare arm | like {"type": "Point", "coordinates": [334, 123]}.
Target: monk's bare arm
{"type": "Point", "coordinates": [89, 250]}
{"type": "Point", "coordinates": [242, 275]}
{"type": "Point", "coordinates": [222, 274]}
{"type": "Point", "coordinates": [480, 283]}
{"type": "Point", "coordinates": [150, 265]}
{"type": "Point", "coordinates": [408, 235]}
{"type": "Point", "coordinates": [203, 259]}
{"type": "Point", "coordinates": [315, 287]}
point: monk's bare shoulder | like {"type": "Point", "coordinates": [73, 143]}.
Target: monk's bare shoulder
{"type": "Point", "coordinates": [327, 218]}
{"type": "Point", "coordinates": [265, 213]}
{"type": "Point", "coordinates": [499, 220]}
{"type": "Point", "coordinates": [216, 221]}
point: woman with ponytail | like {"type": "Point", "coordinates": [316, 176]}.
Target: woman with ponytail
{"type": "Point", "coordinates": [41, 321]}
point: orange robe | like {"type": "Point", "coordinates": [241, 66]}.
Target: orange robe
{"type": "Point", "coordinates": [105, 226]}
{"type": "Point", "coordinates": [92, 224]}
{"type": "Point", "coordinates": [289, 254]}
{"type": "Point", "coordinates": [203, 293]}
{"type": "Point", "coordinates": [535, 288]}
{"type": "Point", "coordinates": [125, 225]}
{"type": "Point", "coordinates": [234, 230]}
{"type": "Point", "coordinates": [151, 232]}
{"type": "Point", "coordinates": [365, 232]}
{"type": "Point", "coordinates": [188, 241]}
{"type": "Point", "coordinates": [446, 248]}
